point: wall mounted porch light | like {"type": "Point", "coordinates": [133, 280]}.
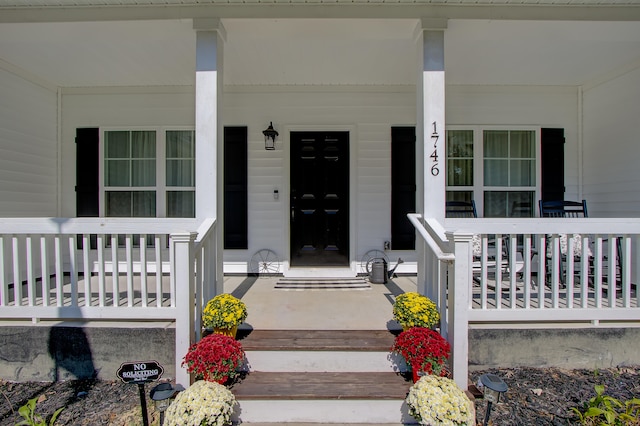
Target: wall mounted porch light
{"type": "Point", "coordinates": [270, 135]}
{"type": "Point", "coordinates": [492, 387]}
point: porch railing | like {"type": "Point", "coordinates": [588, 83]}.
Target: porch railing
{"type": "Point", "coordinates": [107, 269]}
{"type": "Point", "coordinates": [579, 271]}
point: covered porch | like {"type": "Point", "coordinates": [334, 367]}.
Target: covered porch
{"type": "Point", "coordinates": [54, 264]}
{"type": "Point", "coordinates": [358, 70]}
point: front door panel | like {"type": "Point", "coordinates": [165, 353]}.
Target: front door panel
{"type": "Point", "coordinates": [319, 198]}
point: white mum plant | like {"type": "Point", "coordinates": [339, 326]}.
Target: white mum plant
{"type": "Point", "coordinates": [435, 400]}
{"type": "Point", "coordinates": [201, 404]}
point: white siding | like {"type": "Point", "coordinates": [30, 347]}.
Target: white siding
{"type": "Point", "coordinates": [547, 106]}
{"type": "Point", "coordinates": [612, 147]}
{"type": "Point", "coordinates": [128, 107]}
{"type": "Point", "coordinates": [28, 150]}
{"type": "Point", "coordinates": [367, 113]}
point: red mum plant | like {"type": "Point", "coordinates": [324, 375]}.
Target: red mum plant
{"type": "Point", "coordinates": [215, 358]}
{"type": "Point", "coordinates": [424, 350]}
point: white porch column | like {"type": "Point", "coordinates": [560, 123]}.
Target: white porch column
{"type": "Point", "coordinates": [431, 119]}
{"type": "Point", "coordinates": [210, 36]}
{"type": "Point", "coordinates": [430, 131]}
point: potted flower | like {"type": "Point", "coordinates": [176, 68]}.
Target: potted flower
{"type": "Point", "coordinates": [224, 313]}
{"type": "Point", "coordinates": [201, 404]}
{"type": "Point", "coordinates": [415, 310]}
{"type": "Point", "coordinates": [424, 350]}
{"type": "Point", "coordinates": [435, 400]}
{"type": "Point", "coordinates": [215, 358]}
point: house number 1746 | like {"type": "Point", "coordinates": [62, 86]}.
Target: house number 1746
{"type": "Point", "coordinates": [435, 171]}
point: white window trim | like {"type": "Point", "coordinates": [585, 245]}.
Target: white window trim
{"type": "Point", "coordinates": [478, 189]}
{"type": "Point", "coordinates": [161, 187]}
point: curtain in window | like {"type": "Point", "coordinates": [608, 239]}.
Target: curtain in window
{"type": "Point", "coordinates": [460, 158]}
{"type": "Point", "coordinates": [143, 158]}
{"type": "Point", "coordinates": [180, 158]}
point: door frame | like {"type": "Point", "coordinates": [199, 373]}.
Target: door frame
{"type": "Point", "coordinates": [286, 190]}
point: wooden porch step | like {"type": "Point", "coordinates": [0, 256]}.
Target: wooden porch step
{"type": "Point", "coordinates": [316, 340]}
{"type": "Point", "coordinates": [321, 386]}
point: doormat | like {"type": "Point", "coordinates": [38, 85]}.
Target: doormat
{"type": "Point", "coordinates": [300, 284]}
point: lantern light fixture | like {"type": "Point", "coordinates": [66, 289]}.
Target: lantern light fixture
{"type": "Point", "coordinates": [270, 135]}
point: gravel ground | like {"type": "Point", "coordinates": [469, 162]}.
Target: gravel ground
{"type": "Point", "coordinates": [535, 397]}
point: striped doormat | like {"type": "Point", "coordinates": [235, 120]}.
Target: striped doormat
{"type": "Point", "coordinates": [299, 284]}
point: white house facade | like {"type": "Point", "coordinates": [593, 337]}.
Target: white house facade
{"type": "Point", "coordinates": [150, 118]}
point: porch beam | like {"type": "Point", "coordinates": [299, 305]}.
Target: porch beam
{"type": "Point", "coordinates": [533, 10]}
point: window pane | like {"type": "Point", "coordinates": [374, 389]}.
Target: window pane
{"type": "Point", "coordinates": [460, 172]}
{"type": "Point", "coordinates": [143, 172]}
{"type": "Point", "coordinates": [459, 196]}
{"type": "Point", "coordinates": [508, 203]}
{"type": "Point", "coordinates": [143, 144]}
{"type": "Point", "coordinates": [521, 204]}
{"type": "Point", "coordinates": [496, 172]}
{"type": "Point", "coordinates": [495, 204]}
{"type": "Point", "coordinates": [180, 173]}
{"type": "Point", "coordinates": [523, 173]}
{"type": "Point", "coordinates": [180, 144]}
{"type": "Point", "coordinates": [460, 143]}
{"type": "Point", "coordinates": [181, 204]}
{"type": "Point", "coordinates": [116, 173]}
{"type": "Point", "coordinates": [144, 204]}
{"type": "Point", "coordinates": [118, 204]}
{"type": "Point", "coordinates": [522, 144]}
{"type": "Point", "coordinates": [116, 144]}
{"type": "Point", "coordinates": [496, 143]}
{"type": "Point", "coordinates": [180, 158]}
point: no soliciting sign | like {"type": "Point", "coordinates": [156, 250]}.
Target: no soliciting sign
{"type": "Point", "coordinates": [140, 371]}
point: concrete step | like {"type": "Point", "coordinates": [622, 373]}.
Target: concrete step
{"type": "Point", "coordinates": [321, 376]}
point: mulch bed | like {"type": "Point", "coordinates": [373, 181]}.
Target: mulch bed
{"type": "Point", "coordinates": [536, 396]}
{"type": "Point", "coordinates": [545, 396]}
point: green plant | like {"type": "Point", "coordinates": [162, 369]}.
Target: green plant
{"type": "Point", "coordinates": [202, 404]}
{"type": "Point", "coordinates": [224, 311]}
{"type": "Point", "coordinates": [415, 310]}
{"type": "Point", "coordinates": [31, 418]}
{"type": "Point", "coordinates": [607, 410]}
{"type": "Point", "coordinates": [435, 400]}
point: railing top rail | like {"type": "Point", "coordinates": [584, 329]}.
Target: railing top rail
{"type": "Point", "coordinates": [204, 230]}
{"type": "Point", "coordinates": [415, 219]}
{"type": "Point", "coordinates": [98, 225]}
{"type": "Point", "coordinates": [539, 225]}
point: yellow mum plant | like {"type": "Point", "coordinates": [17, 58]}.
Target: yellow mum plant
{"type": "Point", "coordinates": [415, 310]}
{"type": "Point", "coordinates": [224, 311]}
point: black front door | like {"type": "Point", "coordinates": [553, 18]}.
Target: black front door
{"type": "Point", "coordinates": [319, 198]}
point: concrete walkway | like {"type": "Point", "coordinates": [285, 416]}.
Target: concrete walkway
{"type": "Point", "coordinates": [274, 309]}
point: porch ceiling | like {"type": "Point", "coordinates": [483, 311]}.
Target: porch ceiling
{"type": "Point", "coordinates": [318, 52]}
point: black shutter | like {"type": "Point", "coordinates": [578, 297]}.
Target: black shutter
{"type": "Point", "coordinates": [235, 188]}
{"type": "Point", "coordinates": [552, 146]}
{"type": "Point", "coordinates": [403, 187]}
{"type": "Point", "coordinates": [87, 169]}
